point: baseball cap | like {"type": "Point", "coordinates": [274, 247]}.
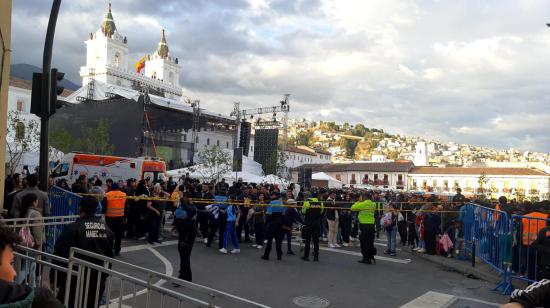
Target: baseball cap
{"type": "Point", "coordinates": [89, 204]}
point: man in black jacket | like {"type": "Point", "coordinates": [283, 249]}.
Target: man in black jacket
{"type": "Point", "coordinates": [542, 245]}
{"type": "Point", "coordinates": [88, 233]}
{"type": "Point", "coordinates": [535, 295]}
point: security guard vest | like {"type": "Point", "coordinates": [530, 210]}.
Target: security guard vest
{"type": "Point", "coordinates": [313, 211]}
{"type": "Point", "coordinates": [531, 227]}
{"type": "Point", "coordinates": [366, 210]}
{"type": "Point", "coordinates": [116, 200]}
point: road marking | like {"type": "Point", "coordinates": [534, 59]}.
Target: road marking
{"type": "Point", "coordinates": [479, 301]}
{"type": "Point", "coordinates": [433, 299]}
{"type": "Point", "coordinates": [357, 254]}
{"type": "Point", "coordinates": [430, 300]}
{"type": "Point", "coordinates": [343, 251]}
{"type": "Point", "coordinates": [147, 246]}
{"type": "Point", "coordinates": [169, 270]}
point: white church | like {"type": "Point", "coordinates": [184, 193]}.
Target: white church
{"type": "Point", "coordinates": [110, 73]}
{"type": "Point", "coordinates": [107, 61]}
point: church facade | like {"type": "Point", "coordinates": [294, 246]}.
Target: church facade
{"type": "Point", "coordinates": [143, 105]}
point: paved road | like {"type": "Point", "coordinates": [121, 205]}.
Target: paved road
{"type": "Point", "coordinates": [338, 278]}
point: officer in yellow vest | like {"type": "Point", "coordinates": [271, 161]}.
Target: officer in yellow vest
{"type": "Point", "coordinates": [366, 208]}
{"type": "Point", "coordinates": [313, 211]}
{"type": "Point", "coordinates": [114, 214]}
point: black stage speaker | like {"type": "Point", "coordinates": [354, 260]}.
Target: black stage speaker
{"type": "Point", "coordinates": [265, 149]}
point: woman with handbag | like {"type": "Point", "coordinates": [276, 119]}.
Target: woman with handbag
{"type": "Point", "coordinates": [390, 225]}
{"type": "Point", "coordinates": [32, 237]}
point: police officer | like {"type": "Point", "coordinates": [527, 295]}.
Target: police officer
{"type": "Point", "coordinates": [542, 245]}
{"type": "Point", "coordinates": [88, 233]}
{"type": "Point", "coordinates": [274, 218]}
{"type": "Point", "coordinates": [366, 209]}
{"type": "Point", "coordinates": [313, 210]}
{"type": "Point", "coordinates": [114, 214]}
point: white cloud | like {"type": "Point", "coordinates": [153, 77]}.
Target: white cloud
{"type": "Point", "coordinates": [467, 71]}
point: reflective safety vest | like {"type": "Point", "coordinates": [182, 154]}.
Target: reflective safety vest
{"type": "Point", "coordinates": [366, 210]}
{"type": "Point", "coordinates": [532, 226]}
{"type": "Point", "coordinates": [116, 200]}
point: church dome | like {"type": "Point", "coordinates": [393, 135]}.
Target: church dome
{"type": "Point", "coordinates": [162, 49]}
{"type": "Point", "coordinates": [108, 25]}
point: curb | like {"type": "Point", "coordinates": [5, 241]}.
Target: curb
{"type": "Point", "coordinates": [465, 268]}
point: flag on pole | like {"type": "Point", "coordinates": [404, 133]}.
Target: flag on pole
{"type": "Point", "coordinates": [140, 64]}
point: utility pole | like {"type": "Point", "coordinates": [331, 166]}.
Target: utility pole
{"type": "Point", "coordinates": [5, 51]}
{"type": "Point", "coordinates": [47, 96]}
{"type": "Point", "coordinates": [196, 104]}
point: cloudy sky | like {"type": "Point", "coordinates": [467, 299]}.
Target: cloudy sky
{"type": "Point", "coordinates": [467, 71]}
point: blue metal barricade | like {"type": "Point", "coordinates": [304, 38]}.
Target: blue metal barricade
{"type": "Point", "coordinates": [62, 203]}
{"type": "Point", "coordinates": [488, 236]}
{"type": "Point", "coordinates": [529, 263]}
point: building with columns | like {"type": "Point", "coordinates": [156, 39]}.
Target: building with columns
{"type": "Point", "coordinates": [387, 175]}
{"type": "Point", "coordinates": [510, 182]}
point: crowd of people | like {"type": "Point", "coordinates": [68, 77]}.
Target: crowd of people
{"type": "Point", "coordinates": [259, 215]}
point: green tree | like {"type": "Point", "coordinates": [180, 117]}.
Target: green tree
{"type": "Point", "coordinates": [345, 126]}
{"type": "Point", "coordinates": [304, 137]}
{"type": "Point", "coordinates": [215, 163]}
{"type": "Point", "coordinates": [61, 140]}
{"type": "Point", "coordinates": [95, 139]}
{"type": "Point", "coordinates": [359, 130]}
{"type": "Point", "coordinates": [349, 146]}
{"type": "Point", "coordinates": [393, 154]}
{"type": "Point", "coordinates": [23, 136]}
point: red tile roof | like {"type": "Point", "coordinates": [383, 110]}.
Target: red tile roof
{"type": "Point", "coordinates": [362, 167]}
{"type": "Point", "coordinates": [300, 151]}
{"type": "Point", "coordinates": [324, 152]}
{"type": "Point", "coordinates": [27, 85]}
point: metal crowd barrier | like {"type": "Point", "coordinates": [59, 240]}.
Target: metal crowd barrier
{"type": "Point", "coordinates": [53, 227]}
{"type": "Point", "coordinates": [488, 236]}
{"type": "Point", "coordinates": [39, 269]}
{"type": "Point", "coordinates": [62, 203]}
{"type": "Point", "coordinates": [99, 281]}
{"type": "Point", "coordinates": [528, 264]}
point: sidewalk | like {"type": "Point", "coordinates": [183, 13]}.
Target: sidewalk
{"type": "Point", "coordinates": [480, 271]}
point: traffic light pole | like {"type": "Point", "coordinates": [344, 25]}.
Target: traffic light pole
{"type": "Point", "coordinates": [46, 79]}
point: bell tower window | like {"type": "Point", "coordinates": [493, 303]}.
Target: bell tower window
{"type": "Point", "coordinates": [117, 59]}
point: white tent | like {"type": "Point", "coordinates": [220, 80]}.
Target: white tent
{"type": "Point", "coordinates": [332, 182]}
{"type": "Point", "coordinates": [251, 173]}
{"type": "Point", "coordinates": [273, 179]}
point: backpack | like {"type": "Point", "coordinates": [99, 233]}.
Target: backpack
{"type": "Point", "coordinates": [180, 213]}
{"type": "Point", "coordinates": [27, 239]}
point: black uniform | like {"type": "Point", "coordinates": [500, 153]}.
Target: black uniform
{"type": "Point", "coordinates": [203, 216]}
{"type": "Point", "coordinates": [187, 232]}
{"type": "Point", "coordinates": [87, 233]}
{"type": "Point", "coordinates": [542, 244]}
{"type": "Point", "coordinates": [312, 227]}
{"type": "Point", "coordinates": [535, 295]}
